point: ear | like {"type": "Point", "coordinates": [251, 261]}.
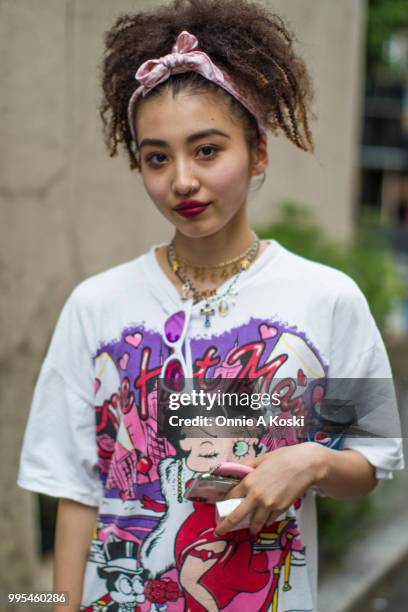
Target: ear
{"type": "Point", "coordinates": [260, 156]}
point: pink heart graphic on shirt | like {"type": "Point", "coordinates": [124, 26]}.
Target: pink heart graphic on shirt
{"type": "Point", "coordinates": [124, 360]}
{"type": "Point", "coordinates": [97, 385]}
{"type": "Point", "coordinates": [267, 331]}
{"type": "Point", "coordinates": [134, 339]}
{"type": "Point", "coordinates": [301, 378]}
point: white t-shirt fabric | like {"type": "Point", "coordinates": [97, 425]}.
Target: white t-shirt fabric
{"type": "Point", "coordinates": [92, 430]}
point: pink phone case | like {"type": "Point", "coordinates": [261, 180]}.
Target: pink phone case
{"type": "Point", "coordinates": [233, 470]}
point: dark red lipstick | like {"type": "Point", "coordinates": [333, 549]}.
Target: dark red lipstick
{"type": "Point", "coordinates": [191, 208]}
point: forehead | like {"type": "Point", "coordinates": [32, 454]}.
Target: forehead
{"type": "Point", "coordinates": [170, 116]}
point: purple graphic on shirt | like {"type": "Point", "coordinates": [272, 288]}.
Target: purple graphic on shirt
{"type": "Point", "coordinates": [145, 475]}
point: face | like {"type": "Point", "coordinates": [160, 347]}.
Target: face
{"type": "Point", "coordinates": [206, 453]}
{"type": "Point", "coordinates": [191, 149]}
{"type": "Point", "coordinates": [128, 590]}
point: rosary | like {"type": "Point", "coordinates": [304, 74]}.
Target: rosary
{"type": "Point", "coordinates": [212, 301]}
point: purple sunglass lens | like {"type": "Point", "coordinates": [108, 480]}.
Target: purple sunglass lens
{"type": "Point", "coordinates": [174, 326]}
{"type": "Point", "coordinates": [174, 375]}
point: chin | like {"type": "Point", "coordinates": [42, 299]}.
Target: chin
{"type": "Point", "coordinates": [194, 232]}
{"type": "Point", "coordinates": [199, 229]}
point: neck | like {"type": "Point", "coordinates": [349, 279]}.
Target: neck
{"type": "Point", "coordinates": [225, 244]}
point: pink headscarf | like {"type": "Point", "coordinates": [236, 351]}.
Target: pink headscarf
{"type": "Point", "coordinates": [185, 59]}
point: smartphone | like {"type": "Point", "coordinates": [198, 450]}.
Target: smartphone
{"type": "Point", "coordinates": [211, 487]}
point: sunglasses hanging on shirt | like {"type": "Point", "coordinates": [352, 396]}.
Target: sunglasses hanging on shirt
{"type": "Point", "coordinates": [176, 372]}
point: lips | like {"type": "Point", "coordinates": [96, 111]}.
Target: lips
{"type": "Point", "coordinates": [189, 204]}
{"type": "Point", "coordinates": [191, 208]}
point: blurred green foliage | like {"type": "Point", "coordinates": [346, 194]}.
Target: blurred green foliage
{"type": "Point", "coordinates": [369, 263]}
{"type": "Point", "coordinates": [339, 524]}
{"type": "Point", "coordinates": [365, 258]}
{"type": "Point", "coordinates": [384, 17]}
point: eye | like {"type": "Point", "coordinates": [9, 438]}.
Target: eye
{"type": "Point", "coordinates": [155, 159]}
{"type": "Point", "coordinates": [240, 448]}
{"type": "Point", "coordinates": [209, 455]}
{"type": "Point", "coordinates": [208, 151]}
{"type": "Point", "coordinates": [137, 584]}
{"type": "Point", "coordinates": [125, 585]}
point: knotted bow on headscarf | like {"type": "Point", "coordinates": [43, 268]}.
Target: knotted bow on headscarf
{"type": "Point", "coordinates": [184, 58]}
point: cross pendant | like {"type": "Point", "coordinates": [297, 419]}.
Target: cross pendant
{"type": "Point", "coordinates": [207, 312]}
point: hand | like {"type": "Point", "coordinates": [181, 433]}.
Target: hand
{"type": "Point", "coordinates": [280, 477]}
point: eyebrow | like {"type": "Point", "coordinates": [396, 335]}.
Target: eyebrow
{"type": "Point", "coordinates": [156, 142]}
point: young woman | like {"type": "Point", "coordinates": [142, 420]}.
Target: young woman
{"type": "Point", "coordinates": [216, 302]}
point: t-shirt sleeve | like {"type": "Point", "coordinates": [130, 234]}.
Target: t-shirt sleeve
{"type": "Point", "coordinates": [59, 453]}
{"type": "Point", "coordinates": [359, 364]}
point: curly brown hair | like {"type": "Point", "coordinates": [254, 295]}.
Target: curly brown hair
{"type": "Point", "coordinates": [243, 38]}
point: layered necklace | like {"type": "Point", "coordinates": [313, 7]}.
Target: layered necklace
{"type": "Point", "coordinates": [212, 302]}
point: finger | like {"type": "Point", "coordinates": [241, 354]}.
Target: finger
{"type": "Point", "coordinates": [256, 461]}
{"type": "Point", "coordinates": [238, 490]}
{"type": "Point", "coordinates": [273, 516]}
{"type": "Point", "coordinates": [233, 519]}
{"type": "Point", "coordinates": [251, 461]}
{"type": "Point", "coordinates": [258, 520]}
{"type": "Point", "coordinates": [241, 489]}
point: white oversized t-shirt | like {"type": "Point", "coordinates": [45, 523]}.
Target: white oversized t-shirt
{"type": "Point", "coordinates": [92, 431]}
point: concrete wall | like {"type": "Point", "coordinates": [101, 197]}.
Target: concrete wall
{"type": "Point", "coordinates": [67, 210]}
{"type": "Point", "coordinates": [331, 39]}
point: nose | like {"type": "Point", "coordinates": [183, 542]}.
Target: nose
{"type": "Point", "coordinates": [184, 180]}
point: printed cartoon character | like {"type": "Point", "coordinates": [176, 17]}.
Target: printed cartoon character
{"type": "Point", "coordinates": [125, 580]}
{"type": "Point", "coordinates": [192, 455]}
{"type": "Point", "coordinates": [211, 568]}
